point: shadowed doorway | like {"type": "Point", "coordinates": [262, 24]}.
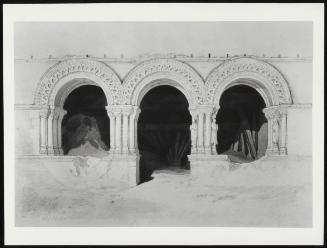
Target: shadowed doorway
{"type": "Point", "coordinates": [242, 126]}
{"type": "Point", "coordinates": [85, 127]}
{"type": "Point", "coordinates": [163, 131]}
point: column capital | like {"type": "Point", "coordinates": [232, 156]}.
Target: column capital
{"type": "Point", "coordinates": [62, 113]}
{"type": "Point", "coordinates": [205, 109]}
{"type": "Point", "coordinates": [58, 112]}
{"type": "Point", "coordinates": [120, 109]}
{"type": "Point", "coordinates": [283, 110]}
{"type": "Point", "coordinates": [44, 112]}
{"type": "Point", "coordinates": [272, 112]}
{"type": "Point", "coordinates": [52, 111]}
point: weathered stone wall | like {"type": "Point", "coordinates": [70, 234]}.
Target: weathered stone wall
{"type": "Point", "coordinates": [296, 71]}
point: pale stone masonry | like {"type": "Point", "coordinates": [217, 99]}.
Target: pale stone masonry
{"type": "Point", "coordinates": [42, 86]}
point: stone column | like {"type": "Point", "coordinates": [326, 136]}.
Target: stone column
{"type": "Point", "coordinates": [136, 117]}
{"type": "Point", "coordinates": [273, 116]}
{"type": "Point", "coordinates": [43, 130]}
{"type": "Point", "coordinates": [207, 138]}
{"type": "Point", "coordinates": [132, 129]}
{"type": "Point", "coordinates": [50, 135]}
{"type": "Point", "coordinates": [125, 114]}
{"type": "Point", "coordinates": [112, 129]}
{"type": "Point", "coordinates": [118, 131]}
{"type": "Point", "coordinates": [214, 131]}
{"type": "Point", "coordinates": [62, 113]}
{"type": "Point", "coordinates": [269, 145]}
{"type": "Point", "coordinates": [194, 131]}
{"type": "Point", "coordinates": [200, 132]}
{"type": "Point", "coordinates": [283, 131]}
{"type": "Point", "coordinates": [55, 130]}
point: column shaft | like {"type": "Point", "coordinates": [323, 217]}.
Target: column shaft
{"type": "Point", "coordinates": [200, 133]}
{"type": "Point", "coordinates": [283, 135]}
{"type": "Point", "coordinates": [270, 145]}
{"type": "Point", "coordinates": [207, 133]}
{"type": "Point", "coordinates": [118, 132]}
{"type": "Point", "coordinates": [112, 132]}
{"type": "Point", "coordinates": [50, 145]}
{"type": "Point", "coordinates": [43, 133]}
{"type": "Point", "coordinates": [54, 134]}
{"type": "Point", "coordinates": [131, 133]}
{"type": "Point", "coordinates": [59, 136]}
{"type": "Point", "coordinates": [125, 133]}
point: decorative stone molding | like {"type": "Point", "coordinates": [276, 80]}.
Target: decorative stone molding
{"type": "Point", "coordinates": [300, 106]}
{"type": "Point", "coordinates": [73, 66]}
{"type": "Point", "coordinates": [277, 129]}
{"type": "Point", "coordinates": [170, 69]}
{"type": "Point", "coordinates": [44, 113]}
{"type": "Point", "coordinates": [214, 131]}
{"type": "Point", "coordinates": [252, 69]}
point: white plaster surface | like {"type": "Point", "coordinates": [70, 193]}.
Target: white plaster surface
{"type": "Point", "coordinates": [299, 133]}
{"type": "Point", "coordinates": [299, 77]}
{"type": "Point", "coordinates": [27, 132]}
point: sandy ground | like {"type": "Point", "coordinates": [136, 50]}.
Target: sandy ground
{"type": "Point", "coordinates": [266, 193]}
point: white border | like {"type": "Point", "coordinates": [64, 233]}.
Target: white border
{"type": "Point", "coordinates": [165, 12]}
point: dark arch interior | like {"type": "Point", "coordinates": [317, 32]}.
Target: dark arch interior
{"type": "Point", "coordinates": [86, 122]}
{"type": "Point", "coordinates": [242, 126]}
{"type": "Point", "coordinates": [163, 131]}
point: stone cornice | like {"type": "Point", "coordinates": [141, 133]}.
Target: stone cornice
{"type": "Point", "coordinates": [28, 107]}
{"type": "Point", "coordinates": [185, 58]}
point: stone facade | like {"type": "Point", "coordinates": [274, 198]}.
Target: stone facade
{"type": "Point", "coordinates": [38, 122]}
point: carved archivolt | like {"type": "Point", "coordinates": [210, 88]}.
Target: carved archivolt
{"type": "Point", "coordinates": [249, 68]}
{"type": "Point", "coordinates": [172, 69]}
{"type": "Point", "coordinates": [97, 69]}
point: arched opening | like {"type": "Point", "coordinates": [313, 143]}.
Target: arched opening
{"type": "Point", "coordinates": [163, 131]}
{"type": "Point", "coordinates": [85, 127]}
{"type": "Point", "coordinates": [242, 126]}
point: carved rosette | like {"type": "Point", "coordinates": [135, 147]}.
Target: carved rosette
{"type": "Point", "coordinates": [64, 68]}
{"type": "Point", "coordinates": [184, 74]}
{"type": "Point", "coordinates": [249, 67]}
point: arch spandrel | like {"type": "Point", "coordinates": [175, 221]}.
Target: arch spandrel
{"type": "Point", "coordinates": [162, 69]}
{"type": "Point", "coordinates": [264, 76]}
{"type": "Point", "coordinates": [101, 73]}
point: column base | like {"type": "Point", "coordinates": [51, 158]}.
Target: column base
{"type": "Point", "coordinates": [125, 151]}
{"type": "Point", "coordinates": [194, 150]}
{"type": "Point", "coordinates": [60, 151]}
{"type": "Point", "coordinates": [283, 151]}
{"type": "Point", "coordinates": [207, 150]}
{"type": "Point", "coordinates": [273, 152]}
{"type": "Point", "coordinates": [200, 150]}
{"type": "Point", "coordinates": [51, 150]}
{"type": "Point", "coordinates": [43, 150]}
{"type": "Point", "coordinates": [207, 168]}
